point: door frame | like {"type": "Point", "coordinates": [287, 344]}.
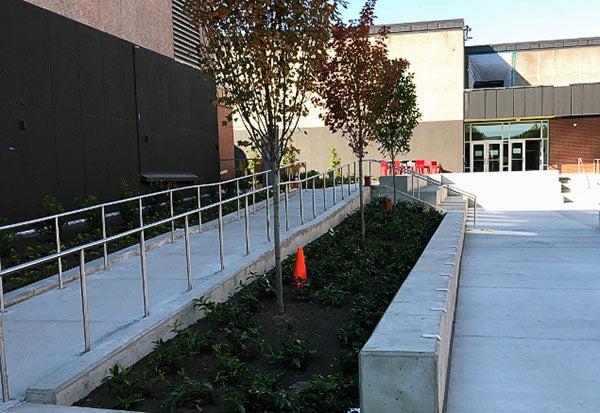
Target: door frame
{"type": "Point", "coordinates": [486, 154]}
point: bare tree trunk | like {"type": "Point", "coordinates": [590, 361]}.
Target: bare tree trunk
{"type": "Point", "coordinates": [277, 237]}
{"type": "Point", "coordinates": [363, 231]}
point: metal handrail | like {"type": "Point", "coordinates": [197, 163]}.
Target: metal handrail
{"type": "Point", "coordinates": [472, 197]}
{"type": "Point", "coordinates": [143, 227]}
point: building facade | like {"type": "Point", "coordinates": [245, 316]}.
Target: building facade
{"type": "Point", "coordinates": [96, 94]}
{"type": "Point", "coordinates": [505, 107]}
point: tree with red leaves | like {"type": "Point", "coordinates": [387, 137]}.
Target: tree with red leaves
{"type": "Point", "coordinates": [351, 83]}
{"type": "Point", "coordinates": [264, 55]}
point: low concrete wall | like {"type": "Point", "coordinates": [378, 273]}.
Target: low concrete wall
{"type": "Point", "coordinates": [404, 364]}
{"type": "Point", "coordinates": [76, 379]}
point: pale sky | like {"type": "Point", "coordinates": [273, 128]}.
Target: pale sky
{"type": "Point", "coordinates": [496, 21]}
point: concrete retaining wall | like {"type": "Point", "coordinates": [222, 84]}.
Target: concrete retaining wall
{"type": "Point", "coordinates": [404, 364]}
{"type": "Point", "coordinates": [128, 346]}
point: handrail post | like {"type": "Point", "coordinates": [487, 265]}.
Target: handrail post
{"type": "Point", "coordinates": [247, 225]}
{"type": "Point", "coordinates": [285, 199]}
{"type": "Point", "coordinates": [412, 183]}
{"type": "Point", "coordinates": [59, 260]}
{"type": "Point", "coordinates": [314, 199]}
{"type": "Point", "coordinates": [3, 368]}
{"type": "Point", "coordinates": [324, 191]}
{"type": "Point", "coordinates": [172, 213]}
{"type": "Point", "coordinates": [1, 289]}
{"type": "Point", "coordinates": [84, 301]}
{"type": "Point", "coordinates": [104, 246]}
{"type": "Point", "coordinates": [267, 212]}
{"type": "Point", "coordinates": [348, 179]}
{"type": "Point", "coordinates": [221, 246]}
{"type": "Point", "coordinates": [239, 207]}
{"type": "Point", "coordinates": [334, 197]}
{"type": "Point", "coordinates": [254, 194]}
{"type": "Point", "coordinates": [143, 262]}
{"type": "Point", "coordinates": [301, 205]}
{"type": "Point", "coordinates": [341, 168]}
{"type": "Point", "coordinates": [474, 211]}
{"type": "Point", "coordinates": [188, 255]}
{"type": "Point", "coordinates": [355, 181]}
{"type": "Point", "coordinates": [199, 211]}
{"type": "Point", "coordinates": [419, 188]}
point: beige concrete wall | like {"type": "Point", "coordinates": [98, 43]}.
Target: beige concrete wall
{"type": "Point", "coordinates": [437, 60]}
{"type": "Point", "coordinates": [147, 23]}
{"type": "Point", "coordinates": [558, 67]}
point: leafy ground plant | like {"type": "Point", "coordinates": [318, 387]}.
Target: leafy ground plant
{"type": "Point", "coordinates": [245, 357]}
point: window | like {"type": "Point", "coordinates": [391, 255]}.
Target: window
{"type": "Point", "coordinates": [525, 130]}
{"type": "Point", "coordinates": [487, 132]}
{"type": "Point", "coordinates": [186, 37]}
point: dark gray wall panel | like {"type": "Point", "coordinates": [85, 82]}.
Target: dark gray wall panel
{"type": "Point", "coordinates": [69, 148]}
{"type": "Point", "coordinates": [63, 60]}
{"type": "Point", "coordinates": [77, 91]}
{"type": "Point", "coordinates": [31, 32]}
{"type": "Point", "coordinates": [588, 98]}
{"type": "Point", "coordinates": [91, 86]}
{"type": "Point", "coordinates": [562, 100]}
{"type": "Point", "coordinates": [123, 160]}
{"type": "Point", "coordinates": [203, 112]}
{"type": "Point", "coordinates": [182, 76]}
{"type": "Point", "coordinates": [519, 101]}
{"type": "Point", "coordinates": [547, 101]}
{"type": "Point", "coordinates": [39, 148]}
{"type": "Point", "coordinates": [118, 78]}
{"type": "Point", "coordinates": [95, 152]}
{"type": "Point", "coordinates": [168, 93]}
{"type": "Point", "coordinates": [577, 99]}
{"type": "Point", "coordinates": [596, 98]}
{"type": "Point", "coordinates": [147, 77]}
{"type": "Point", "coordinates": [477, 104]}
{"type": "Point", "coordinates": [533, 101]}
{"type": "Point", "coordinates": [10, 75]}
{"type": "Point", "coordinates": [505, 103]}
{"type": "Point", "coordinates": [490, 104]}
{"type": "Point", "coordinates": [12, 157]}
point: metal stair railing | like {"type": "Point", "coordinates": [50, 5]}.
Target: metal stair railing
{"type": "Point", "coordinates": [140, 231]}
{"type": "Point", "coordinates": [416, 193]}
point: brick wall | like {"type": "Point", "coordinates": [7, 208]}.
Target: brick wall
{"type": "Point", "coordinates": [226, 143]}
{"type": "Point", "coordinates": [572, 138]}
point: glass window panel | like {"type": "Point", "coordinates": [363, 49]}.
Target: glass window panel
{"type": "Point", "coordinates": [487, 132]}
{"type": "Point", "coordinates": [525, 130]}
{"type": "Point", "coordinates": [467, 157]}
{"type": "Point", "coordinates": [545, 130]}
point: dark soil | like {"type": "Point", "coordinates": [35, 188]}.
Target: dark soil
{"type": "Point", "coordinates": [246, 357]}
{"type": "Point", "coordinates": [314, 325]}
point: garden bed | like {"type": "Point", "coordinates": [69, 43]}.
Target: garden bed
{"type": "Point", "coordinates": [246, 357]}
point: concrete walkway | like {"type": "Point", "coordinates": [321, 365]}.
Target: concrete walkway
{"type": "Point", "coordinates": [527, 332]}
{"type": "Point", "coordinates": [44, 334]}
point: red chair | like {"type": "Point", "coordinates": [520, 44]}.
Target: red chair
{"type": "Point", "coordinates": [435, 167]}
{"type": "Point", "coordinates": [420, 166]}
{"type": "Point", "coordinates": [384, 168]}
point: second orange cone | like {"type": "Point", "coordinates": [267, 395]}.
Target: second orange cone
{"type": "Point", "coordinates": [300, 269]}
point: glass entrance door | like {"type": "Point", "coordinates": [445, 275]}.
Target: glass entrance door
{"type": "Point", "coordinates": [494, 156]}
{"type": "Point", "coordinates": [487, 156]}
{"type": "Point", "coordinates": [517, 156]}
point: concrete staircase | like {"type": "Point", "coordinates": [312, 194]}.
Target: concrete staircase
{"type": "Point", "coordinates": [580, 191]}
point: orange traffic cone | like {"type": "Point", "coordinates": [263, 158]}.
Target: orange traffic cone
{"type": "Point", "coordinates": [388, 204]}
{"type": "Point", "coordinates": [300, 269]}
